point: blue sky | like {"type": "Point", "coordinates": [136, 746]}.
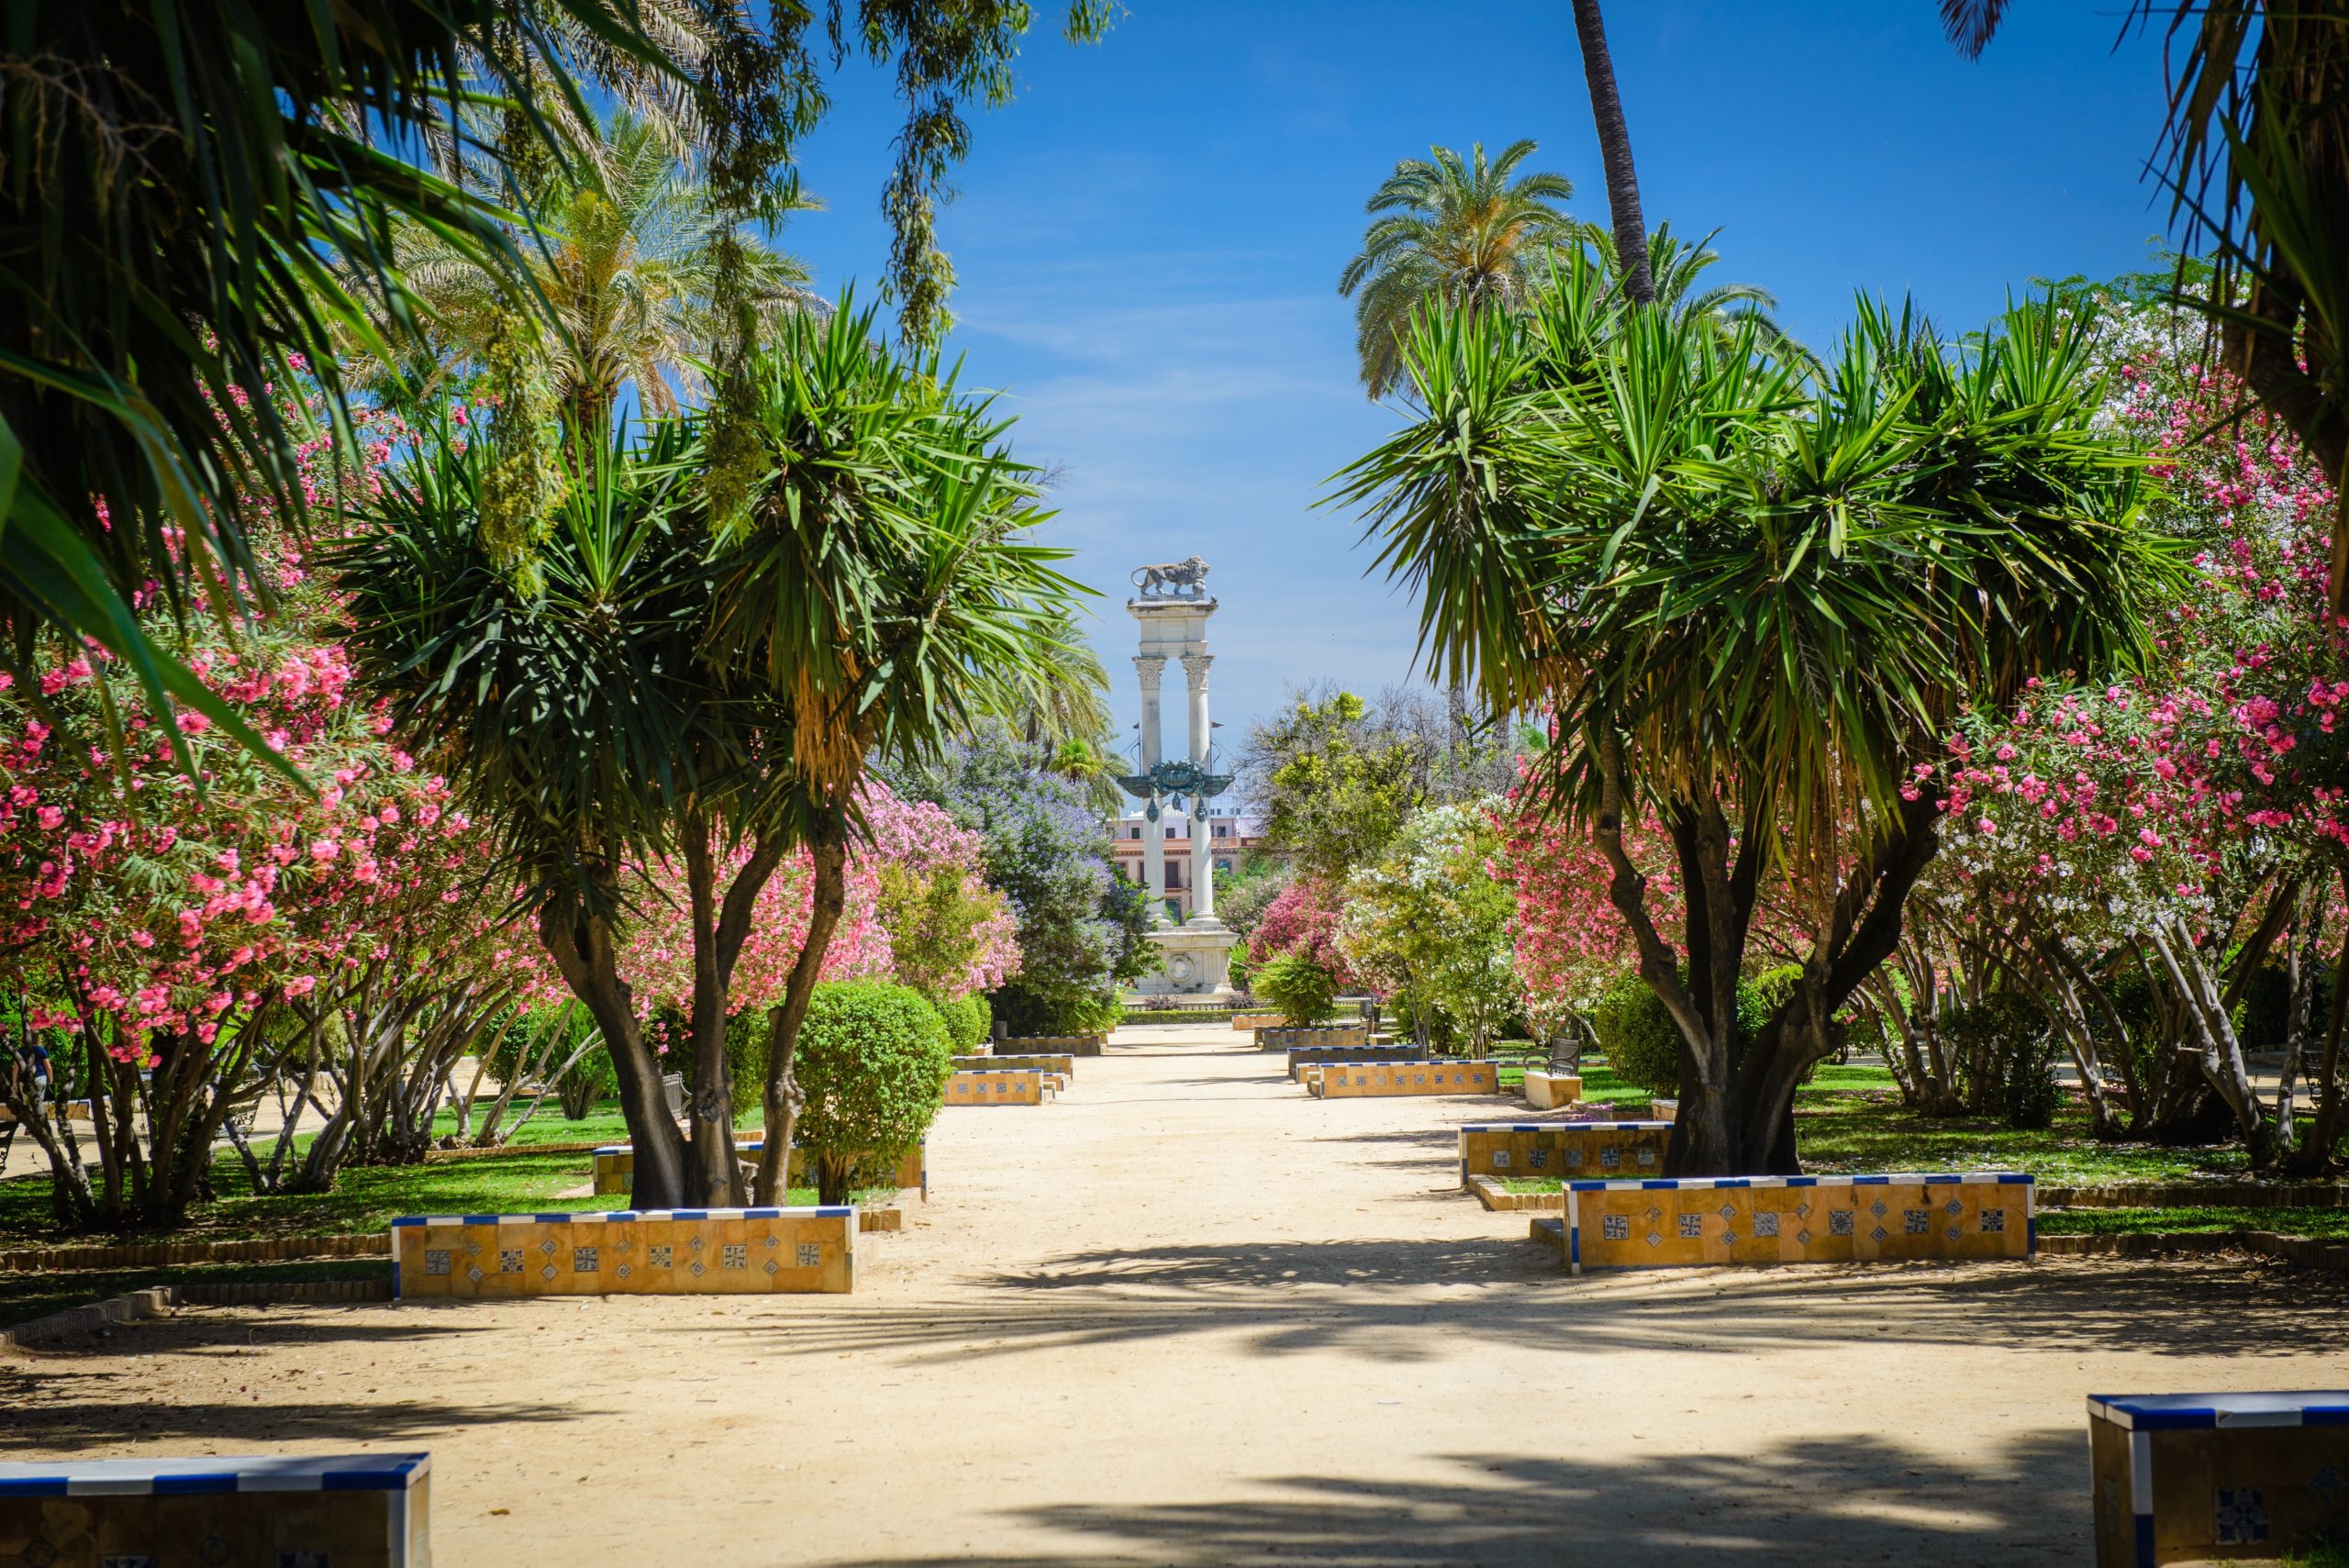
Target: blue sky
{"type": "Point", "coordinates": [1148, 241]}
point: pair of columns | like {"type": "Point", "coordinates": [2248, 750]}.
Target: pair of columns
{"type": "Point", "coordinates": [1150, 667]}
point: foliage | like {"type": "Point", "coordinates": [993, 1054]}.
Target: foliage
{"type": "Point", "coordinates": [872, 1063]}
{"type": "Point", "coordinates": [1304, 991]}
{"type": "Point", "coordinates": [2006, 1053]}
{"type": "Point", "coordinates": [1636, 1035]}
{"type": "Point", "coordinates": [1469, 231]}
{"type": "Point", "coordinates": [1429, 925]}
{"type": "Point", "coordinates": [1338, 776]}
{"type": "Point", "coordinates": [1706, 563]}
{"type": "Point", "coordinates": [968, 1020]}
{"type": "Point", "coordinates": [1079, 929]}
{"type": "Point", "coordinates": [178, 941]}
{"type": "Point", "coordinates": [696, 695]}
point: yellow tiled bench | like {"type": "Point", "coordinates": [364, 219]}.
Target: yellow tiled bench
{"type": "Point", "coordinates": [1366, 1080]}
{"type": "Point", "coordinates": [1300, 1057]}
{"type": "Point", "coordinates": [615, 1167]}
{"type": "Point", "coordinates": [995, 1088]}
{"type": "Point", "coordinates": [2188, 1477]}
{"type": "Point", "coordinates": [681, 1252]}
{"type": "Point", "coordinates": [1052, 1045]}
{"type": "Point", "coordinates": [1798, 1219]}
{"type": "Point", "coordinates": [1562, 1148]}
{"type": "Point", "coordinates": [1278, 1039]}
{"type": "Point", "coordinates": [1060, 1063]}
{"type": "Point", "coordinates": [358, 1510]}
{"type": "Point", "coordinates": [1255, 1021]}
{"type": "Point", "coordinates": [1663, 1110]}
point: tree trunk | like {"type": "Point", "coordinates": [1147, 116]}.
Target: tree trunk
{"type": "Point", "coordinates": [580, 942]}
{"type": "Point", "coordinates": [1615, 154]}
{"type": "Point", "coordinates": [828, 848]}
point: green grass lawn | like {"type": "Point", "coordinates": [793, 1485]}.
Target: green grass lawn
{"type": "Point", "coordinates": [2325, 1222]}
{"type": "Point", "coordinates": [365, 1198]}
{"type": "Point", "coordinates": [26, 1296]}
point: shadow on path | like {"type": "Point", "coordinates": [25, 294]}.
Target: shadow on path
{"type": "Point", "coordinates": [1829, 1503]}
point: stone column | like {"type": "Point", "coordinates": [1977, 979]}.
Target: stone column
{"type": "Point", "coordinates": [1194, 672]}
{"type": "Point", "coordinates": [1148, 668]}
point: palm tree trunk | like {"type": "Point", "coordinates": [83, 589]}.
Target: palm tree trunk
{"type": "Point", "coordinates": [1614, 153]}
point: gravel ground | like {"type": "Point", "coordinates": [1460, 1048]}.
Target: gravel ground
{"type": "Point", "coordinates": [1188, 1316]}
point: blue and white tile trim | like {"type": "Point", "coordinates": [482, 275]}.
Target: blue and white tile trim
{"type": "Point", "coordinates": [2142, 1415]}
{"type": "Point", "coordinates": [216, 1473]}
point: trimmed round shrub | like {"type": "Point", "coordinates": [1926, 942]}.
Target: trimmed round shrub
{"type": "Point", "coordinates": [873, 1062]}
{"type": "Point", "coordinates": [1304, 991]}
{"type": "Point", "coordinates": [1640, 1040]}
{"type": "Point", "coordinates": [968, 1020]}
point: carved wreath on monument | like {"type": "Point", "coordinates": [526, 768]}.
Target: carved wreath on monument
{"type": "Point", "coordinates": [1170, 580]}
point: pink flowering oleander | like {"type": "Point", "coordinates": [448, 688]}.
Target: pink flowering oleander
{"type": "Point", "coordinates": [2111, 804]}
{"type": "Point", "coordinates": [136, 905]}
{"type": "Point", "coordinates": [657, 955]}
{"type": "Point", "coordinates": [1302, 918]}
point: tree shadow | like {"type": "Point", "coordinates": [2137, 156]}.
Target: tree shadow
{"type": "Point", "coordinates": [1395, 1300]}
{"type": "Point", "coordinates": [1830, 1501]}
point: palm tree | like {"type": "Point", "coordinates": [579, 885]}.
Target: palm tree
{"type": "Point", "coordinates": [1614, 149]}
{"type": "Point", "coordinates": [1676, 268]}
{"type": "Point", "coordinates": [2256, 158]}
{"type": "Point", "coordinates": [623, 258]}
{"type": "Point", "coordinates": [1703, 561]}
{"type": "Point", "coordinates": [1463, 231]}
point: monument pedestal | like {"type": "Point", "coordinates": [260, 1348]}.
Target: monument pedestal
{"type": "Point", "coordinates": [1196, 958]}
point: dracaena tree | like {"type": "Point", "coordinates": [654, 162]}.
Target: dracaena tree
{"type": "Point", "coordinates": [700, 691]}
{"type": "Point", "coordinates": [1753, 598]}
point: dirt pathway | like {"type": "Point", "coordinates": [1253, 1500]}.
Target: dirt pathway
{"type": "Point", "coordinates": [1188, 1316]}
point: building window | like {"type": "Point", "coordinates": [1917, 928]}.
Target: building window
{"type": "Point", "coordinates": [1223, 830]}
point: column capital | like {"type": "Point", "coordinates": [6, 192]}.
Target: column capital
{"type": "Point", "coordinates": [1149, 667]}
{"type": "Point", "coordinates": [1195, 668]}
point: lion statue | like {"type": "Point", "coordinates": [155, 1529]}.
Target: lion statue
{"type": "Point", "coordinates": [1172, 577]}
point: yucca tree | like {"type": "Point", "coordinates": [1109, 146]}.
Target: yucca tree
{"type": "Point", "coordinates": [1750, 597]}
{"type": "Point", "coordinates": [1675, 283]}
{"type": "Point", "coordinates": [2255, 155]}
{"type": "Point", "coordinates": [1472, 232]}
{"type": "Point", "coordinates": [882, 584]}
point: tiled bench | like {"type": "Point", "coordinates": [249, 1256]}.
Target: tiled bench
{"type": "Point", "coordinates": [1545, 1090]}
{"type": "Point", "coordinates": [682, 1251]}
{"type": "Point", "coordinates": [1303, 1056]}
{"type": "Point", "coordinates": [1246, 1021]}
{"type": "Point", "coordinates": [1060, 1064]}
{"type": "Point", "coordinates": [1052, 1045]}
{"type": "Point", "coordinates": [1562, 1148]}
{"type": "Point", "coordinates": [1318, 1034]}
{"type": "Point", "coordinates": [1798, 1219]}
{"type": "Point", "coordinates": [1663, 1110]}
{"type": "Point", "coordinates": [360, 1510]}
{"type": "Point", "coordinates": [1367, 1079]}
{"type": "Point", "coordinates": [2186, 1478]}
{"type": "Point", "coordinates": [996, 1088]}
{"type": "Point", "coordinates": [615, 1167]}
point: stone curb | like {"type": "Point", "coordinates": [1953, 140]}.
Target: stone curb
{"type": "Point", "coordinates": [2307, 1251]}
{"type": "Point", "coordinates": [510, 1150]}
{"type": "Point", "coordinates": [162, 1300]}
{"type": "Point", "coordinates": [1493, 1195]}
{"type": "Point", "coordinates": [2199, 1195]}
{"type": "Point", "coordinates": [154, 1255]}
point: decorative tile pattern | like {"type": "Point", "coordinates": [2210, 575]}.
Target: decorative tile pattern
{"type": "Point", "coordinates": [1744, 1220]}
{"type": "Point", "coordinates": [996, 1088]}
{"type": "Point", "coordinates": [654, 1252]}
{"type": "Point", "coordinates": [1567, 1148]}
{"type": "Point", "coordinates": [436, 1260]}
{"type": "Point", "coordinates": [1372, 1078]}
{"type": "Point", "coordinates": [2239, 1517]}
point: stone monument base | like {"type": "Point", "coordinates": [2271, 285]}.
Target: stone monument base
{"type": "Point", "coordinates": [1195, 960]}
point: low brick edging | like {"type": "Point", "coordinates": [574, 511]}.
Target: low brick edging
{"type": "Point", "coordinates": [162, 1300]}
{"type": "Point", "coordinates": [510, 1150]}
{"type": "Point", "coordinates": [2199, 1195]}
{"type": "Point", "coordinates": [163, 1254]}
{"type": "Point", "coordinates": [2307, 1251]}
{"type": "Point", "coordinates": [1493, 1195]}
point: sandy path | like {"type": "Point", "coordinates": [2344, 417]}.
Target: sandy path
{"type": "Point", "coordinates": [1188, 1316]}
